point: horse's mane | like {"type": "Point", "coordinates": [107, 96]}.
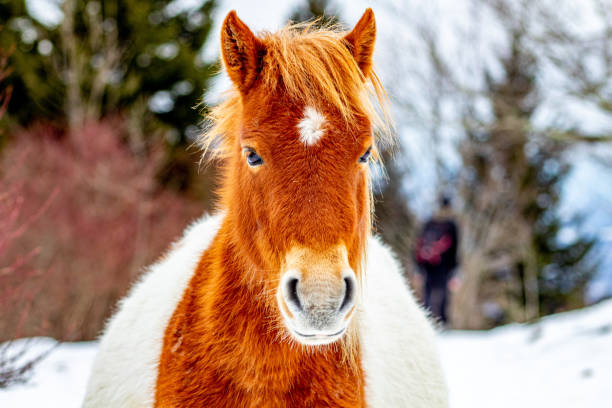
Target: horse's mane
{"type": "Point", "coordinates": [312, 64]}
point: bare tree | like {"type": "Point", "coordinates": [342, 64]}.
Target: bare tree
{"type": "Point", "coordinates": [86, 80]}
{"type": "Point", "coordinates": [510, 168]}
{"type": "Point", "coordinates": [574, 40]}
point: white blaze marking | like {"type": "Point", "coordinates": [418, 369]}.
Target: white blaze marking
{"type": "Point", "coordinates": [311, 126]}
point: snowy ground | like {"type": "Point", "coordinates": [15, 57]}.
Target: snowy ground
{"type": "Point", "coordinates": [58, 381]}
{"type": "Point", "coordinates": [563, 361]}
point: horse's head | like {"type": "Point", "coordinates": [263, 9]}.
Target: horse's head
{"type": "Point", "coordinates": [297, 135]}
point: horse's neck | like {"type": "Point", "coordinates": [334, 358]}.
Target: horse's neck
{"type": "Point", "coordinates": [225, 334]}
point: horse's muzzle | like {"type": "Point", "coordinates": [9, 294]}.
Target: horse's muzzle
{"type": "Point", "coordinates": [317, 309]}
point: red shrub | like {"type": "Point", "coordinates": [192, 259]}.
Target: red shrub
{"type": "Point", "coordinates": [106, 219]}
{"type": "Point", "coordinates": [16, 364]}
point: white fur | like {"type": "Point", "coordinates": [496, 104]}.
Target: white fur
{"type": "Point", "coordinates": [125, 370]}
{"type": "Point", "coordinates": [311, 126]}
{"type": "Point", "coordinates": [398, 349]}
{"type": "Point", "coordinates": [398, 344]}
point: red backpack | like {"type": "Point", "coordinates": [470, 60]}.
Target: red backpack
{"type": "Point", "coordinates": [432, 243]}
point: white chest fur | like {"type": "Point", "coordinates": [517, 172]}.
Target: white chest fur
{"type": "Point", "coordinates": [399, 353]}
{"type": "Point", "coordinates": [125, 369]}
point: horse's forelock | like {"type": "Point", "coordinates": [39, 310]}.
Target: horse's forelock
{"type": "Point", "coordinates": [312, 65]}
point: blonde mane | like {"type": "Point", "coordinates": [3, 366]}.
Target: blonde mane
{"type": "Point", "coordinates": [310, 64]}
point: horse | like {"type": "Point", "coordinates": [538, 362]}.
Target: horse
{"type": "Point", "coordinates": [285, 297]}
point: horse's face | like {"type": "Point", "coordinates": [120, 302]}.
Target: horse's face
{"type": "Point", "coordinates": [300, 185]}
{"type": "Point", "coordinates": [306, 174]}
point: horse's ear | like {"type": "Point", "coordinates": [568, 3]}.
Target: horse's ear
{"type": "Point", "coordinates": [361, 41]}
{"type": "Point", "coordinates": [241, 52]}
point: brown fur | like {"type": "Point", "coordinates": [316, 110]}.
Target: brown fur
{"type": "Point", "coordinates": [226, 345]}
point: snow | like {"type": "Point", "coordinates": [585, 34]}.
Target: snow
{"type": "Point", "coordinates": [564, 361]}
{"type": "Point", "coordinates": [58, 381]}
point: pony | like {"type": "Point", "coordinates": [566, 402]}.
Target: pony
{"type": "Point", "coordinates": [284, 297]}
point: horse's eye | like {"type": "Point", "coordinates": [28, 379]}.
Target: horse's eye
{"type": "Point", "coordinates": [253, 159]}
{"type": "Point", "coordinates": [366, 156]}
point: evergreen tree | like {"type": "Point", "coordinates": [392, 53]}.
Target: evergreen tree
{"type": "Point", "coordinates": [510, 188]}
{"type": "Point", "coordinates": [140, 59]}
{"type": "Point", "coordinates": [109, 56]}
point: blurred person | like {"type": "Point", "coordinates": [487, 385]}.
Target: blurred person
{"type": "Point", "coordinates": [436, 255]}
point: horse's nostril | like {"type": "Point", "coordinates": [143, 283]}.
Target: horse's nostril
{"type": "Point", "coordinates": [292, 295]}
{"type": "Point", "coordinates": [348, 294]}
